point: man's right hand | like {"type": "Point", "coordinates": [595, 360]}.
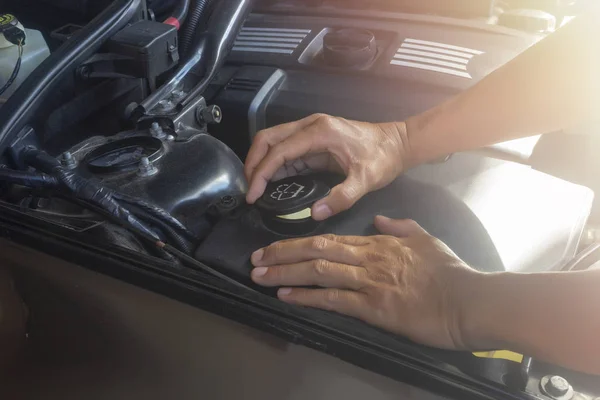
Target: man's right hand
{"type": "Point", "coordinates": [370, 155]}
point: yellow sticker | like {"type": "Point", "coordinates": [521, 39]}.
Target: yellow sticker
{"type": "Point", "coordinates": [503, 354]}
{"type": "Point", "coordinates": [306, 213]}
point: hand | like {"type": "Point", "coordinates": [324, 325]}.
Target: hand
{"type": "Point", "coordinates": [406, 282]}
{"type": "Point", "coordinates": [371, 156]}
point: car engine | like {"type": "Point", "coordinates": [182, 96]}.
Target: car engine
{"type": "Point", "coordinates": [126, 133]}
{"type": "Point", "coordinates": [143, 142]}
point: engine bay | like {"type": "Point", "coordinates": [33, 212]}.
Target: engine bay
{"type": "Point", "coordinates": [137, 142]}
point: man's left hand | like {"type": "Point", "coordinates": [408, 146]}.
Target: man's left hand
{"type": "Point", "coordinates": [405, 281]}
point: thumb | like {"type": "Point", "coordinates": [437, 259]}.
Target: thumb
{"type": "Point", "coordinates": [341, 198]}
{"type": "Point", "coordinates": [398, 227]}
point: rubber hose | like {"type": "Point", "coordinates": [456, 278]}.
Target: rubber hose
{"type": "Point", "coordinates": [181, 11]}
{"type": "Point", "coordinates": [173, 237]}
{"type": "Point", "coordinates": [29, 179]}
{"type": "Point", "coordinates": [156, 212]}
{"type": "Point", "coordinates": [86, 190]}
{"type": "Point", "coordinates": [191, 26]}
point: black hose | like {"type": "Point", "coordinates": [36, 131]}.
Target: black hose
{"type": "Point", "coordinates": [190, 29]}
{"type": "Point", "coordinates": [29, 179]}
{"type": "Point", "coordinates": [156, 212]}
{"type": "Point", "coordinates": [15, 71]}
{"type": "Point", "coordinates": [209, 51]}
{"type": "Point", "coordinates": [225, 23]}
{"type": "Point", "coordinates": [173, 237]}
{"type": "Point", "coordinates": [86, 190]}
{"type": "Point", "coordinates": [181, 11]}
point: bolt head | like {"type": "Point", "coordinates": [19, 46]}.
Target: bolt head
{"type": "Point", "coordinates": [558, 385]}
{"type": "Point", "coordinates": [210, 115]}
{"type": "Point", "coordinates": [146, 168]}
{"type": "Point", "coordinates": [67, 160]}
{"type": "Point", "coordinates": [228, 201]}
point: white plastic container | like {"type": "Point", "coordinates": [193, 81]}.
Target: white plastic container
{"type": "Point", "coordinates": [34, 52]}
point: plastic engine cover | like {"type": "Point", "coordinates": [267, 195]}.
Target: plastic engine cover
{"type": "Point", "coordinates": [233, 239]}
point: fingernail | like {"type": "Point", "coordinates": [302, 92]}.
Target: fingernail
{"type": "Point", "coordinates": [257, 256]}
{"type": "Point", "coordinates": [284, 291]}
{"type": "Point", "coordinates": [259, 271]}
{"type": "Point", "coordinates": [321, 212]}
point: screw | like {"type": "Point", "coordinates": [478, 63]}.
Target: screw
{"type": "Point", "coordinates": [210, 115]}
{"type": "Point", "coordinates": [172, 47]}
{"type": "Point", "coordinates": [170, 138]}
{"type": "Point", "coordinates": [146, 168]}
{"type": "Point", "coordinates": [556, 386]}
{"type": "Point", "coordinates": [177, 94]}
{"type": "Point", "coordinates": [157, 131]}
{"type": "Point", "coordinates": [228, 201]}
{"type": "Point", "coordinates": [164, 105]}
{"type": "Point", "coordinates": [85, 71]}
{"type": "Point", "coordinates": [67, 160]}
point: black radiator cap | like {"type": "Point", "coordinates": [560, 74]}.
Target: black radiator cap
{"type": "Point", "coordinates": [285, 205]}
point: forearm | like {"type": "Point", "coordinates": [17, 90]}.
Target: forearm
{"type": "Point", "coordinates": [555, 84]}
{"type": "Point", "coordinates": [550, 316]}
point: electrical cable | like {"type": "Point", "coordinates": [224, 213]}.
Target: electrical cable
{"type": "Point", "coordinates": [85, 189]}
{"type": "Point", "coordinates": [15, 71]}
{"type": "Point", "coordinates": [192, 26]}
{"type": "Point", "coordinates": [179, 14]}
{"type": "Point", "coordinates": [156, 212]}
{"type": "Point", "coordinates": [29, 179]}
{"type": "Point", "coordinates": [172, 236]}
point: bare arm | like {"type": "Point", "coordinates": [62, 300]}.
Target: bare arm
{"type": "Point", "coordinates": [553, 85]}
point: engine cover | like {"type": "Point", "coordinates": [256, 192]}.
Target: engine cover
{"type": "Point", "coordinates": [234, 239]}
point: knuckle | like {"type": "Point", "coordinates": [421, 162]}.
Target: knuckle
{"type": "Point", "coordinates": [320, 242]}
{"type": "Point", "coordinates": [274, 274]}
{"type": "Point", "coordinates": [318, 116]}
{"type": "Point", "coordinates": [332, 297]}
{"type": "Point", "coordinates": [261, 137]}
{"type": "Point", "coordinates": [330, 237]}
{"type": "Point", "coordinates": [272, 252]}
{"type": "Point", "coordinates": [349, 194]}
{"type": "Point", "coordinates": [321, 267]}
{"type": "Point", "coordinates": [355, 161]}
{"type": "Point", "coordinates": [327, 122]}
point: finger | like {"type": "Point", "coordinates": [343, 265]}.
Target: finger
{"type": "Point", "coordinates": [326, 247]}
{"type": "Point", "coordinates": [290, 149]}
{"type": "Point", "coordinates": [280, 174]}
{"type": "Point", "coordinates": [270, 137]}
{"type": "Point", "coordinates": [341, 198]}
{"type": "Point", "coordinates": [345, 302]}
{"type": "Point", "coordinates": [316, 273]}
{"type": "Point", "coordinates": [356, 241]}
{"type": "Point", "coordinates": [398, 227]}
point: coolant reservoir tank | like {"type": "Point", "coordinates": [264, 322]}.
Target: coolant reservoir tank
{"type": "Point", "coordinates": [35, 50]}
